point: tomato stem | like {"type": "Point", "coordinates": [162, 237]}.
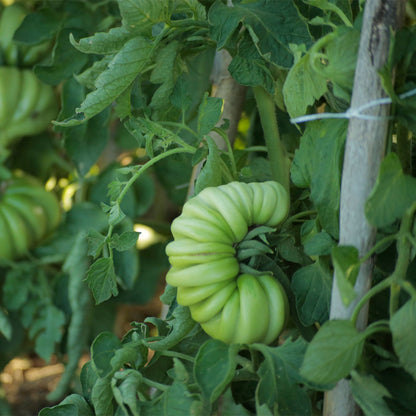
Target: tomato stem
{"type": "Point", "coordinates": [278, 161]}
{"type": "Point", "coordinates": [154, 384]}
{"type": "Point", "coordinates": [376, 246]}
{"type": "Point", "coordinates": [384, 284]}
{"type": "Point", "coordinates": [141, 169]}
{"type": "Point", "coordinates": [396, 280]}
{"type": "Point", "coordinates": [378, 326]}
{"type": "Point", "coordinates": [175, 354]}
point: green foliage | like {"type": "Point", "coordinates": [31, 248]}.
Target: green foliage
{"type": "Point", "coordinates": [136, 136]}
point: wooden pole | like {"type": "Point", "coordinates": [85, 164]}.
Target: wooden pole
{"type": "Point", "coordinates": [364, 150]}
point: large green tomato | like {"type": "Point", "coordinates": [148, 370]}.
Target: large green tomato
{"type": "Point", "coordinates": [27, 105]}
{"type": "Point", "coordinates": [230, 306]}
{"type": "Point", "coordinates": [28, 213]}
{"type": "Point", "coordinates": [13, 53]}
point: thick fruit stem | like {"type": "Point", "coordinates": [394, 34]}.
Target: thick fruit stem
{"type": "Point", "coordinates": [278, 161]}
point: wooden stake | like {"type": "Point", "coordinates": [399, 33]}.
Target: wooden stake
{"type": "Point", "coordinates": [364, 150]}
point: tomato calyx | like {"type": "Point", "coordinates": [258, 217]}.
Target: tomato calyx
{"type": "Point", "coordinates": [254, 245]}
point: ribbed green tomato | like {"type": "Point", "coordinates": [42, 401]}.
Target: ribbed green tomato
{"type": "Point", "coordinates": [28, 213]}
{"type": "Point", "coordinates": [232, 307]}
{"type": "Point", "coordinates": [13, 53]}
{"type": "Point", "coordinates": [27, 105]}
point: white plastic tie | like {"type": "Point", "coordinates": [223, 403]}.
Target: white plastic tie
{"type": "Point", "coordinates": [357, 112]}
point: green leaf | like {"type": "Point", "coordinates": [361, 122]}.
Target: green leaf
{"type": "Point", "coordinates": [81, 217]}
{"type": "Point", "coordinates": [318, 165]}
{"type": "Point", "coordinates": [230, 408]}
{"type": "Point", "coordinates": [61, 410]}
{"type": "Point", "coordinates": [128, 354]}
{"type": "Point", "coordinates": [404, 339]}
{"type": "Point", "coordinates": [101, 279]}
{"type": "Point", "coordinates": [129, 382]}
{"type": "Point", "coordinates": [393, 193]}
{"type": "Point", "coordinates": [127, 267]}
{"type": "Point", "coordinates": [303, 86]}
{"type": "Point", "coordinates": [16, 287]}
{"type": "Point", "coordinates": [38, 27]}
{"type": "Point", "coordinates": [116, 215]}
{"type": "Point", "coordinates": [334, 351]}
{"type": "Point", "coordinates": [103, 350]}
{"type": "Point", "coordinates": [5, 325]}
{"type": "Point", "coordinates": [272, 25]}
{"type": "Point", "coordinates": [319, 244]}
{"type": "Point", "coordinates": [108, 43]}
{"type": "Point", "coordinates": [210, 174]}
{"type": "Point", "coordinates": [102, 397]}
{"type": "Point", "coordinates": [347, 266]}
{"type": "Point", "coordinates": [311, 286]}
{"type": "Point", "coordinates": [369, 395]}
{"type": "Point", "coordinates": [173, 172]}
{"type": "Point", "coordinates": [124, 241]}
{"type": "Point", "coordinates": [139, 16]}
{"type": "Point", "coordinates": [214, 368]}
{"type": "Point", "coordinates": [178, 401]}
{"type": "Point", "coordinates": [181, 97]}
{"type": "Point", "coordinates": [84, 144]}
{"type": "Point", "coordinates": [335, 7]}
{"type": "Point", "coordinates": [337, 64]}
{"type": "Point", "coordinates": [76, 265]}
{"type": "Point", "coordinates": [209, 113]}
{"type": "Point", "coordinates": [120, 73]}
{"type": "Point", "coordinates": [88, 77]}
{"type": "Point", "coordinates": [47, 329]}
{"type": "Point", "coordinates": [167, 69]}
{"type": "Point", "coordinates": [248, 67]}
{"type": "Point", "coordinates": [96, 242]}
{"type": "Point", "coordinates": [66, 60]}
{"type": "Point", "coordinates": [153, 263]}
{"type": "Point", "coordinates": [88, 378]}
{"type": "Point", "coordinates": [73, 405]}
{"type": "Point", "coordinates": [181, 325]}
{"type": "Point", "coordinates": [280, 378]}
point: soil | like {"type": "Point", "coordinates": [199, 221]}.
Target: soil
{"type": "Point", "coordinates": [26, 383]}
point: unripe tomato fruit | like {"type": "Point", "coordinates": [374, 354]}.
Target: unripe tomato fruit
{"type": "Point", "coordinates": [230, 306]}
{"type": "Point", "coordinates": [13, 53]}
{"type": "Point", "coordinates": [27, 105]}
{"type": "Point", "coordinates": [28, 213]}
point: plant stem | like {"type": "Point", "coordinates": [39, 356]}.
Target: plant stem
{"type": "Point", "coordinates": [155, 384]}
{"type": "Point", "coordinates": [142, 168]}
{"type": "Point", "coordinates": [278, 161]}
{"type": "Point", "coordinates": [404, 147]}
{"type": "Point", "coordinates": [372, 292]}
{"type": "Point", "coordinates": [379, 326]}
{"type": "Point", "coordinates": [175, 354]}
{"type": "Point", "coordinates": [379, 244]}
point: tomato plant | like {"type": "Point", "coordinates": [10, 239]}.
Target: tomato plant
{"type": "Point", "coordinates": [269, 147]}
{"type": "Point", "coordinates": [28, 213]}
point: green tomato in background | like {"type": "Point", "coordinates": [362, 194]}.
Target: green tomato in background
{"type": "Point", "coordinates": [13, 53]}
{"type": "Point", "coordinates": [28, 213]}
{"type": "Point", "coordinates": [231, 307]}
{"type": "Point", "coordinates": [27, 105]}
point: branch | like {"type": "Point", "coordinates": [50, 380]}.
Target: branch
{"type": "Point", "coordinates": [364, 151]}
